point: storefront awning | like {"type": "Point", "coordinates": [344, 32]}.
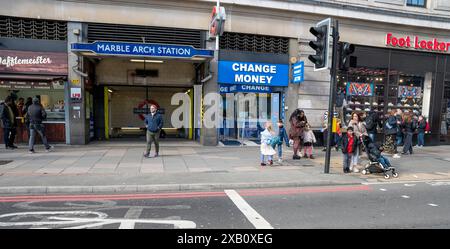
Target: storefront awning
{"type": "Point", "coordinates": [31, 77]}
{"type": "Point", "coordinates": [147, 50]}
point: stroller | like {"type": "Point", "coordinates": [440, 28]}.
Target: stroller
{"type": "Point", "coordinates": [373, 166]}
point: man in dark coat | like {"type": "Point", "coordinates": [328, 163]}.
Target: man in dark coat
{"type": "Point", "coordinates": [390, 131]}
{"type": "Point", "coordinates": [9, 123]}
{"type": "Point", "coordinates": [154, 124]}
{"type": "Point", "coordinates": [340, 99]}
{"type": "Point", "coordinates": [36, 115]}
{"type": "Point", "coordinates": [372, 122]}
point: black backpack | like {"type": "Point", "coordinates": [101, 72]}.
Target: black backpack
{"type": "Point", "coordinates": [370, 124]}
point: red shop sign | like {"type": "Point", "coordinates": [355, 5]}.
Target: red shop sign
{"type": "Point", "coordinates": [416, 42]}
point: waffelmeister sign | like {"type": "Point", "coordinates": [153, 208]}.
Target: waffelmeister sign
{"type": "Point", "coordinates": [12, 61]}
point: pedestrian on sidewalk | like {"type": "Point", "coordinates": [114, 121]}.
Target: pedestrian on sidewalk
{"type": "Point", "coordinates": [359, 130]}
{"type": "Point", "coordinates": [297, 121]}
{"type": "Point", "coordinates": [409, 125]}
{"type": "Point", "coordinates": [154, 124]}
{"type": "Point", "coordinates": [308, 141]}
{"type": "Point", "coordinates": [340, 102]}
{"type": "Point", "coordinates": [400, 132]}
{"type": "Point", "coordinates": [266, 140]}
{"type": "Point", "coordinates": [28, 103]}
{"type": "Point", "coordinates": [421, 126]}
{"type": "Point", "coordinates": [282, 136]}
{"type": "Point", "coordinates": [372, 122]}
{"type": "Point", "coordinates": [349, 147]}
{"type": "Point", "coordinates": [8, 120]}
{"type": "Point", "coordinates": [390, 132]}
{"type": "Point", "coordinates": [336, 129]}
{"type": "Point", "coordinates": [36, 114]}
{"type": "Point", "coordinates": [324, 130]}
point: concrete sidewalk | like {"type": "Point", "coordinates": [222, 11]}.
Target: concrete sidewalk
{"type": "Point", "coordinates": [120, 167]}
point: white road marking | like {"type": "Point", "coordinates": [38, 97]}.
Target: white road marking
{"type": "Point", "coordinates": [101, 219]}
{"type": "Point", "coordinates": [409, 185]}
{"type": "Point", "coordinates": [432, 204]}
{"type": "Point", "coordinates": [405, 196]}
{"type": "Point", "coordinates": [132, 213]}
{"type": "Point", "coordinates": [383, 189]}
{"type": "Point", "coordinates": [439, 183]}
{"type": "Point", "coordinates": [254, 217]}
{"type": "Point", "coordinates": [415, 176]}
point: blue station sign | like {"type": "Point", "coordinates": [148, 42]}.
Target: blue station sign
{"type": "Point", "coordinates": [244, 88]}
{"type": "Point", "coordinates": [250, 73]}
{"type": "Point", "coordinates": [298, 72]}
{"type": "Point", "coordinates": [141, 49]}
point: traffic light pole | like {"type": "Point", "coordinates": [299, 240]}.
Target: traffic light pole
{"type": "Point", "coordinates": [333, 73]}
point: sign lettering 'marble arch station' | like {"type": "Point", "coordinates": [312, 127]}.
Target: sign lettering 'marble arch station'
{"type": "Point", "coordinates": [141, 49]}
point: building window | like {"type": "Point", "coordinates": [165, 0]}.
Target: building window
{"type": "Point", "coordinates": [14, 27]}
{"type": "Point", "coordinates": [416, 3]}
{"type": "Point", "coordinates": [254, 43]}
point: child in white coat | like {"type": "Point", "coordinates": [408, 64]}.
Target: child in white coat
{"type": "Point", "coordinates": [266, 149]}
{"type": "Point", "coordinates": [308, 140]}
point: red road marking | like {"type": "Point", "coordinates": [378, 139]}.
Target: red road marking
{"type": "Point", "coordinates": [245, 192]}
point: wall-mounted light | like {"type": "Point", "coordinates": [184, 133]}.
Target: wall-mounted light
{"type": "Point", "coordinates": [109, 90]}
{"type": "Point", "coordinates": [146, 61]}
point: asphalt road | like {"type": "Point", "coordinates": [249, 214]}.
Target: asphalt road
{"type": "Point", "coordinates": [394, 205]}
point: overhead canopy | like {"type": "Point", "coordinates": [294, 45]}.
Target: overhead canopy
{"type": "Point", "coordinates": [147, 50]}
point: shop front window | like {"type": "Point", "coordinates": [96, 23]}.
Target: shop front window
{"type": "Point", "coordinates": [365, 82]}
{"type": "Point", "coordinates": [364, 89]}
{"type": "Point", "coordinates": [416, 3]}
{"type": "Point", "coordinates": [51, 95]}
{"type": "Point", "coordinates": [445, 113]}
{"type": "Point", "coordinates": [383, 80]}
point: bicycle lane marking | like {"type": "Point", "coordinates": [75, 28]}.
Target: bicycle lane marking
{"type": "Point", "coordinates": [254, 217]}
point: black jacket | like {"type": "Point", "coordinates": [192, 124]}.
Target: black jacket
{"type": "Point", "coordinates": [409, 127]}
{"type": "Point", "coordinates": [36, 114]}
{"type": "Point", "coordinates": [153, 123]}
{"type": "Point", "coordinates": [374, 151]}
{"type": "Point", "coordinates": [390, 126]}
{"type": "Point", "coordinates": [340, 99]}
{"type": "Point", "coordinates": [372, 122]}
{"type": "Point", "coordinates": [344, 144]}
{"type": "Point", "coordinates": [7, 120]}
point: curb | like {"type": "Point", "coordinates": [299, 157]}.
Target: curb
{"type": "Point", "coordinates": [161, 187]}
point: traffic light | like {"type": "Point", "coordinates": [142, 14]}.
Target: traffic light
{"type": "Point", "coordinates": [345, 50]}
{"type": "Point", "coordinates": [321, 45]}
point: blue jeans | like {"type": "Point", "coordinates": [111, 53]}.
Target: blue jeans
{"type": "Point", "coordinates": [384, 161]}
{"type": "Point", "coordinates": [399, 139]}
{"type": "Point", "coordinates": [280, 151]}
{"type": "Point", "coordinates": [372, 137]}
{"type": "Point", "coordinates": [421, 139]}
{"type": "Point", "coordinates": [270, 158]}
{"type": "Point", "coordinates": [347, 161]}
